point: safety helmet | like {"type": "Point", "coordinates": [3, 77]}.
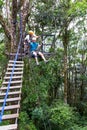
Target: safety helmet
{"type": "Point", "coordinates": [31, 32]}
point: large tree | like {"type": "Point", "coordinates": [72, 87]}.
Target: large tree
{"type": "Point", "coordinates": [9, 19]}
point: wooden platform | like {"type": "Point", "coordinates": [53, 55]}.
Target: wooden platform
{"type": "Point", "coordinates": [23, 55]}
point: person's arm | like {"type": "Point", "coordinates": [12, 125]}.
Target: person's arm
{"type": "Point", "coordinates": [36, 36]}
{"type": "Point", "coordinates": [39, 47]}
{"type": "Point", "coordinates": [27, 38]}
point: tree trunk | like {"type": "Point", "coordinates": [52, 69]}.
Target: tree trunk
{"type": "Point", "coordinates": [13, 26]}
{"type": "Point", "coordinates": [65, 73]}
{"type": "Point", "coordinates": [65, 44]}
{"type": "Point", "coordinates": [82, 88]}
{"type": "Point", "coordinates": [10, 23]}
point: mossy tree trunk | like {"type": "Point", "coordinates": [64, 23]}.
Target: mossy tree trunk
{"type": "Point", "coordinates": [65, 38]}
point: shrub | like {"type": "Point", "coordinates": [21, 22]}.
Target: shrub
{"type": "Point", "coordinates": [62, 115]}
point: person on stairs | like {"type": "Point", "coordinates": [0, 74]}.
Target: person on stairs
{"type": "Point", "coordinates": [27, 40]}
{"type": "Point", "coordinates": [34, 50]}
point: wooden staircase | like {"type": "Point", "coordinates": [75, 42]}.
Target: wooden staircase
{"type": "Point", "coordinates": [11, 110]}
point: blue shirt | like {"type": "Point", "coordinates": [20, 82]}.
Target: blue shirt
{"type": "Point", "coordinates": [33, 46]}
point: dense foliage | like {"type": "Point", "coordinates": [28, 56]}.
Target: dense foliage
{"type": "Point", "coordinates": [54, 95]}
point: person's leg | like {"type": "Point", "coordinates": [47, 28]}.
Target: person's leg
{"type": "Point", "coordinates": [42, 56]}
{"type": "Point", "coordinates": [35, 56]}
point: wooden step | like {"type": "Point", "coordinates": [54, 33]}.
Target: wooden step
{"type": "Point", "coordinates": [11, 87]}
{"type": "Point", "coordinates": [10, 99]}
{"type": "Point", "coordinates": [15, 69]}
{"type": "Point", "coordinates": [12, 61]}
{"type": "Point", "coordinates": [10, 116]}
{"type": "Point", "coordinates": [9, 127]}
{"type": "Point", "coordinates": [13, 77]}
{"type": "Point", "coordinates": [12, 82]}
{"type": "Point", "coordinates": [9, 73]}
{"type": "Point", "coordinates": [10, 93]}
{"type": "Point", "coordinates": [11, 107]}
{"type": "Point", "coordinates": [17, 65]}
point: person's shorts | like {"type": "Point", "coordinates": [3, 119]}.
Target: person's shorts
{"type": "Point", "coordinates": [32, 55]}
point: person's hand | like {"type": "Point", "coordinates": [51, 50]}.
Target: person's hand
{"type": "Point", "coordinates": [24, 43]}
{"type": "Point", "coordinates": [38, 36]}
{"type": "Point", "coordinates": [41, 44]}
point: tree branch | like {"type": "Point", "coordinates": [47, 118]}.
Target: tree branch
{"type": "Point", "coordinates": [5, 27]}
